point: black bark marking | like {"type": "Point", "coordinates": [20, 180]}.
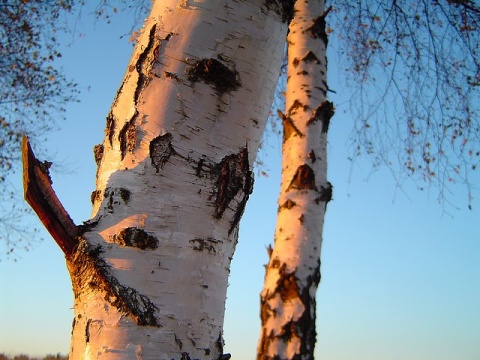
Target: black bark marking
{"type": "Point", "coordinates": [289, 127]}
{"type": "Point", "coordinates": [233, 175]}
{"type": "Point", "coordinates": [311, 57]}
{"type": "Point", "coordinates": [289, 288]}
{"type": "Point", "coordinates": [301, 218]}
{"type": "Point", "coordinates": [303, 179]}
{"type": "Point", "coordinates": [323, 113]}
{"type": "Point", "coordinates": [125, 195]}
{"type": "Point", "coordinates": [137, 238]}
{"type": "Point", "coordinates": [110, 127]}
{"type": "Point", "coordinates": [198, 170]}
{"type": "Point", "coordinates": [303, 325]}
{"type": "Point", "coordinates": [317, 30]}
{"type": "Point", "coordinates": [128, 137]}
{"type": "Point", "coordinates": [98, 153]}
{"type": "Point", "coordinates": [284, 8]}
{"type": "Point", "coordinates": [173, 76]}
{"type": "Point", "coordinates": [178, 342]}
{"type": "Point", "coordinates": [87, 331]}
{"type": "Point", "coordinates": [326, 194]}
{"type": "Point", "coordinates": [89, 270]}
{"type": "Point", "coordinates": [311, 156]}
{"type": "Point", "coordinates": [296, 105]}
{"type": "Point", "coordinates": [288, 204]}
{"type": "Point", "coordinates": [219, 344]}
{"type": "Point", "coordinates": [96, 195]}
{"type": "Point", "coordinates": [160, 150]}
{"type": "Point", "coordinates": [115, 196]}
{"type": "Point", "coordinates": [207, 244]}
{"type": "Point", "coordinates": [213, 72]}
{"type": "Point", "coordinates": [87, 226]}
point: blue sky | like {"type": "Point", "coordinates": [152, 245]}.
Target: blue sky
{"type": "Point", "coordinates": [400, 274]}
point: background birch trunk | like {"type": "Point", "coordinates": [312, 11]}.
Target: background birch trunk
{"type": "Point", "coordinates": [150, 269]}
{"type": "Point", "coordinates": [293, 272]}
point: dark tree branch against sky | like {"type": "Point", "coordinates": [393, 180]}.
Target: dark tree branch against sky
{"type": "Point", "coordinates": [33, 93]}
{"type": "Point", "coordinates": [413, 69]}
{"type": "Point", "coordinates": [34, 90]}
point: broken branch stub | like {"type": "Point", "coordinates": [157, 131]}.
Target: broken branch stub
{"type": "Point", "coordinates": [39, 194]}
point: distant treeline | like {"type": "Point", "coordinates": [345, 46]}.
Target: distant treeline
{"type": "Point", "coordinates": [26, 357]}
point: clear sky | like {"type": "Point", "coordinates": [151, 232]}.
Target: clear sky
{"type": "Point", "coordinates": [400, 274]}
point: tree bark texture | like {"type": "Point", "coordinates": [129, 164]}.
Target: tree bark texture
{"type": "Point", "coordinates": [174, 173]}
{"type": "Point", "coordinates": [293, 271]}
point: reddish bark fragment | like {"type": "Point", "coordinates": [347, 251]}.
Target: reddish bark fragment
{"type": "Point", "coordinates": [40, 196]}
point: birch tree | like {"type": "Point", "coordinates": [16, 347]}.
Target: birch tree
{"type": "Point", "coordinates": [149, 269]}
{"type": "Point", "coordinates": [415, 68]}
{"type": "Point", "coordinates": [293, 272]}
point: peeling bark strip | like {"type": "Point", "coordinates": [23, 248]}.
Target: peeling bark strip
{"type": "Point", "coordinates": [143, 66]}
{"type": "Point", "coordinates": [284, 8]}
{"type": "Point", "coordinates": [110, 128]}
{"type": "Point", "coordinates": [304, 179]}
{"type": "Point", "coordinates": [90, 272]}
{"type": "Point", "coordinates": [160, 150]}
{"type": "Point", "coordinates": [234, 175]}
{"type": "Point", "coordinates": [39, 194]}
{"type": "Point", "coordinates": [207, 244]}
{"type": "Point", "coordinates": [128, 136]}
{"type": "Point", "coordinates": [87, 331]}
{"type": "Point", "coordinates": [137, 238]}
{"type": "Point", "coordinates": [213, 72]}
{"type": "Point", "coordinates": [323, 113]}
{"type": "Point", "coordinates": [98, 153]}
{"type": "Point", "coordinates": [145, 62]}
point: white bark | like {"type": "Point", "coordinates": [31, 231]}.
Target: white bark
{"type": "Point", "coordinates": [150, 272]}
{"type": "Point", "coordinates": [293, 272]}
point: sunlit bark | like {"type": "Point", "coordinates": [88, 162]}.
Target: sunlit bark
{"type": "Point", "coordinates": [293, 272]}
{"type": "Point", "coordinates": [174, 173]}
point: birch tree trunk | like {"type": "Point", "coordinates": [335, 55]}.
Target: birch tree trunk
{"type": "Point", "coordinates": [293, 271]}
{"type": "Point", "coordinates": [150, 269]}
